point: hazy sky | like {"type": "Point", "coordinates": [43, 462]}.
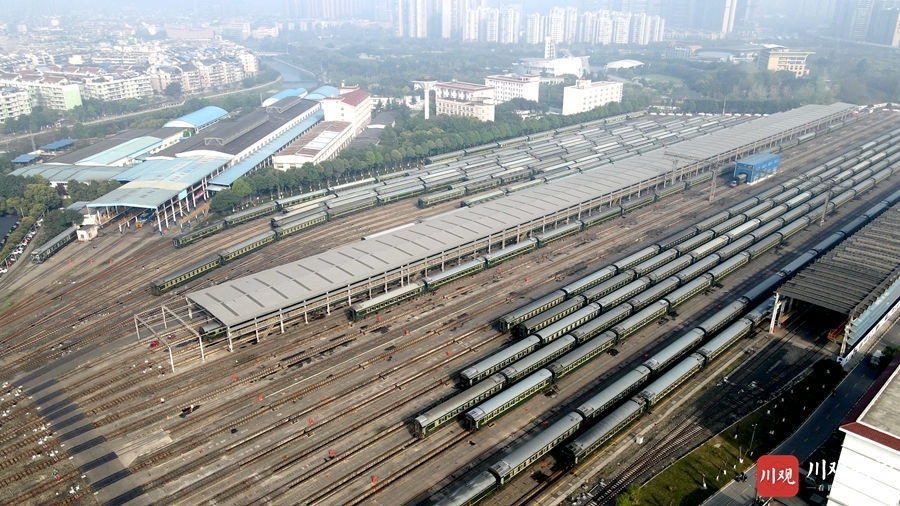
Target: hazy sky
{"type": "Point", "coordinates": [14, 10]}
{"type": "Point", "coordinates": [11, 10]}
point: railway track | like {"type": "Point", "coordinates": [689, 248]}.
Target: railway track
{"type": "Point", "coordinates": [379, 358]}
{"type": "Point", "coordinates": [196, 382]}
{"type": "Point", "coordinates": [241, 486]}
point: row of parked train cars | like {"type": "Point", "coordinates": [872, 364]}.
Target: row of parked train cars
{"type": "Point", "coordinates": [453, 178]}
{"type": "Point", "coordinates": [438, 184]}
{"type": "Point", "coordinates": [619, 299]}
{"type": "Point", "coordinates": [570, 357]}
{"type": "Point", "coordinates": [310, 209]}
{"type": "Point", "coordinates": [385, 188]}
{"type": "Point", "coordinates": [669, 264]}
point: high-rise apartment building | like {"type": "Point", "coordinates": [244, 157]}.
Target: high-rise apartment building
{"type": "Point", "coordinates": [570, 25]}
{"type": "Point", "coordinates": [621, 27]}
{"type": "Point", "coordinates": [885, 27]}
{"type": "Point", "coordinates": [716, 16]}
{"type": "Point", "coordinates": [412, 18]}
{"type": "Point", "coordinates": [489, 24]}
{"type": "Point", "coordinates": [556, 25]}
{"type": "Point", "coordinates": [853, 18]}
{"type": "Point", "coordinates": [453, 18]}
{"type": "Point", "coordinates": [14, 103]}
{"type": "Point", "coordinates": [534, 29]}
{"type": "Point", "coordinates": [510, 22]}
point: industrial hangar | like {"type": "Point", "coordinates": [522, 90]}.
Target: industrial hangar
{"type": "Point", "coordinates": [265, 301]}
{"type": "Point", "coordinates": [860, 279]}
{"type": "Point", "coordinates": [170, 171]}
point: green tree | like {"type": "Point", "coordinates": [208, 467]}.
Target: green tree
{"type": "Point", "coordinates": [224, 202]}
{"type": "Point", "coordinates": [17, 204]}
{"type": "Point", "coordinates": [241, 188]}
{"type": "Point", "coordinates": [630, 497]}
{"type": "Point", "coordinates": [173, 90]}
{"type": "Point", "coordinates": [40, 197]}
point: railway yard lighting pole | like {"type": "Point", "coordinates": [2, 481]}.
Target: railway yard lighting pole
{"type": "Point", "coordinates": [752, 436]}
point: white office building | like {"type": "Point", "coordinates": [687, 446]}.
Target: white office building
{"type": "Point", "coordinates": [585, 95]}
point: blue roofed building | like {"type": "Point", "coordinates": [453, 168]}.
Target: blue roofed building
{"type": "Point", "coordinates": [58, 145]}
{"type": "Point", "coordinates": [323, 92]}
{"type": "Point", "coordinates": [168, 174]}
{"type": "Point", "coordinates": [293, 92]}
{"type": "Point", "coordinates": [199, 119]}
{"type": "Point", "coordinates": [169, 187]}
{"type": "Point", "coordinates": [250, 141]}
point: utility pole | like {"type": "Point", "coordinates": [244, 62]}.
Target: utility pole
{"type": "Point", "coordinates": [675, 158]}
{"type": "Point", "coordinates": [825, 208]}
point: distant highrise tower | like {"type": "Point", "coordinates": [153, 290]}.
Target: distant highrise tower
{"type": "Point", "coordinates": [534, 28]}
{"type": "Point", "coordinates": [853, 19]}
{"type": "Point", "coordinates": [470, 30]}
{"type": "Point", "coordinates": [412, 18]}
{"type": "Point", "coordinates": [510, 25]}
{"type": "Point", "coordinates": [549, 49]}
{"type": "Point", "coordinates": [489, 24]}
{"type": "Point", "coordinates": [621, 27]}
{"type": "Point", "coordinates": [453, 18]}
{"type": "Point", "coordinates": [587, 33]}
{"type": "Point", "coordinates": [556, 23]}
{"type": "Point", "coordinates": [708, 15]}
{"type": "Point", "coordinates": [716, 16]}
{"type": "Point", "coordinates": [570, 25]}
{"type": "Point", "coordinates": [639, 29]}
{"type": "Point", "coordinates": [885, 27]}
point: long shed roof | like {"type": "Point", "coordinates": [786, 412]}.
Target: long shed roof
{"type": "Point", "coordinates": [851, 276]}
{"type": "Point", "coordinates": [266, 292]}
{"type": "Point", "coordinates": [151, 183]}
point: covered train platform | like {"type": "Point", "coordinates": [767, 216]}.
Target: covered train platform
{"type": "Point", "coordinates": [168, 173]}
{"type": "Point", "coordinates": [263, 302]}
{"type": "Point", "coordinates": [168, 188]}
{"type": "Point", "coordinates": [858, 280]}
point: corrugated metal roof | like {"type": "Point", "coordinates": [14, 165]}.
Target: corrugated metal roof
{"type": "Point", "coordinates": [268, 291]}
{"type": "Point", "coordinates": [154, 182]}
{"type": "Point", "coordinates": [292, 92]}
{"type": "Point", "coordinates": [233, 137]}
{"type": "Point", "coordinates": [228, 177]}
{"type": "Point", "coordinates": [198, 118]}
{"type": "Point", "coordinates": [752, 131]}
{"type": "Point", "coordinates": [60, 144]}
{"type": "Point", "coordinates": [852, 275]}
{"type": "Point", "coordinates": [327, 91]}
{"type": "Point", "coordinates": [63, 173]}
{"type": "Point", "coordinates": [25, 158]}
{"type": "Point", "coordinates": [130, 149]}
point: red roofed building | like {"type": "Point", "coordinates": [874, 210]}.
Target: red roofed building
{"type": "Point", "coordinates": [868, 470]}
{"type": "Point", "coordinates": [346, 115]}
{"type": "Point", "coordinates": [352, 106]}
